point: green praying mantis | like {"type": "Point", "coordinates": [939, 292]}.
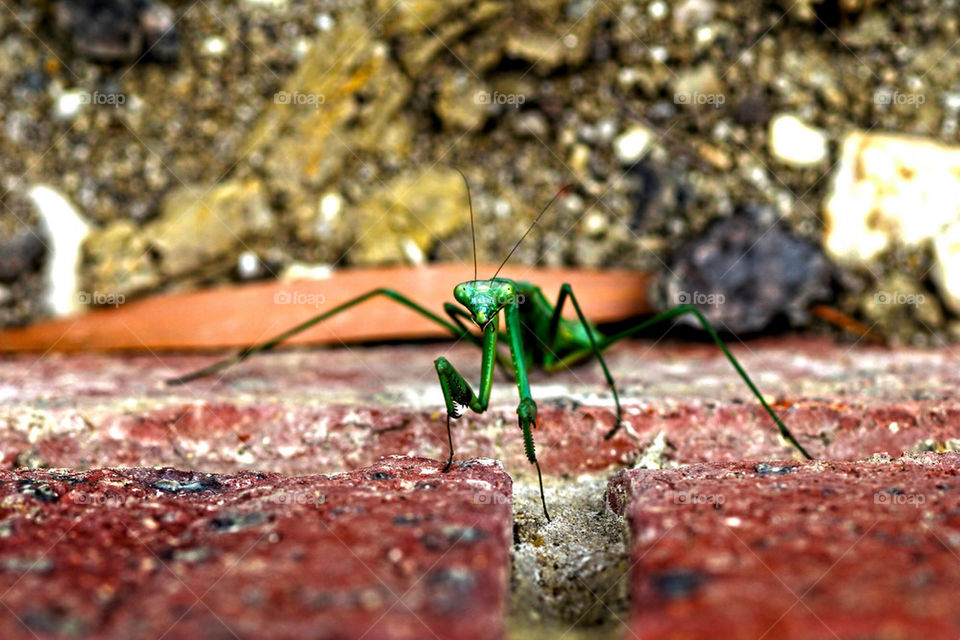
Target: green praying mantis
{"type": "Point", "coordinates": [537, 334]}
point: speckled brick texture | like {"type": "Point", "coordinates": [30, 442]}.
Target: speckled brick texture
{"type": "Point", "coordinates": [787, 551]}
{"type": "Point", "coordinates": [861, 567]}
{"type": "Point", "coordinates": [333, 409]}
{"type": "Point", "coordinates": [394, 550]}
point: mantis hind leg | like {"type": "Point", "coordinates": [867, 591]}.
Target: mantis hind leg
{"type": "Point", "coordinates": [689, 309]}
{"type": "Point", "coordinates": [552, 363]}
{"type": "Point", "coordinates": [303, 326]}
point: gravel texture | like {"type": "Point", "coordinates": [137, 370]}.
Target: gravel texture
{"type": "Point", "coordinates": [568, 93]}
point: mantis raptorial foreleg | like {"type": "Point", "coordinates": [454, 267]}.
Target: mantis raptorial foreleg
{"type": "Point", "coordinates": [459, 396]}
{"type": "Point", "coordinates": [457, 393]}
{"type": "Point", "coordinates": [458, 316]}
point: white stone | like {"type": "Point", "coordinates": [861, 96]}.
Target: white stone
{"type": "Point", "coordinates": [328, 213]}
{"type": "Point", "coordinates": [323, 22]}
{"type": "Point", "coordinates": [632, 145]}
{"type": "Point", "coordinates": [659, 54]}
{"type": "Point", "coordinates": [893, 191]}
{"type": "Point", "coordinates": [330, 206]}
{"type": "Point", "coordinates": [946, 270]}
{"type": "Point", "coordinates": [595, 222]}
{"type": "Point", "coordinates": [301, 271]}
{"type": "Point", "coordinates": [214, 46]}
{"type": "Point", "coordinates": [65, 230]}
{"type": "Point", "coordinates": [888, 191]}
{"type": "Point", "coordinates": [301, 48]}
{"type": "Point", "coordinates": [794, 142]}
{"type": "Point", "coordinates": [657, 10]}
{"type": "Point", "coordinates": [606, 129]}
{"type": "Point", "coordinates": [693, 13]}
{"type": "Point", "coordinates": [412, 252]}
{"type": "Point", "coordinates": [248, 265]}
{"type": "Point", "coordinates": [69, 103]}
{"type": "Point", "coordinates": [704, 35]}
{"type": "Point", "coordinates": [628, 76]}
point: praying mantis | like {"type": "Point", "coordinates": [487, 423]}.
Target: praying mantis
{"type": "Point", "coordinates": [537, 335]}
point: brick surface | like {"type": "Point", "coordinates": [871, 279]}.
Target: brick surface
{"type": "Point", "coordinates": [394, 550]}
{"type": "Point", "coordinates": [329, 410]}
{"type": "Point", "coordinates": [300, 413]}
{"type": "Point", "coordinates": [819, 550]}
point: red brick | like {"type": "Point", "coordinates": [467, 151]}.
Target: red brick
{"type": "Point", "coordinates": [335, 409]}
{"type": "Point", "coordinates": [394, 550]}
{"type": "Point", "coordinates": [819, 550]}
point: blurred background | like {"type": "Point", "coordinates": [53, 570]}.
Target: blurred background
{"type": "Point", "coordinates": [773, 162]}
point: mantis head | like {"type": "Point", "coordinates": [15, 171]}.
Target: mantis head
{"type": "Point", "coordinates": [484, 298]}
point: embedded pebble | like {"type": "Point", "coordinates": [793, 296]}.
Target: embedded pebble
{"type": "Point", "coordinates": [66, 230]}
{"type": "Point", "coordinates": [796, 143]}
{"type": "Point", "coordinates": [632, 145]}
{"type": "Point", "coordinates": [893, 192]}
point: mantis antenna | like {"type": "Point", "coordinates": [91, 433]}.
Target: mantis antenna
{"type": "Point", "coordinates": [559, 193]}
{"type": "Point", "coordinates": [473, 231]}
